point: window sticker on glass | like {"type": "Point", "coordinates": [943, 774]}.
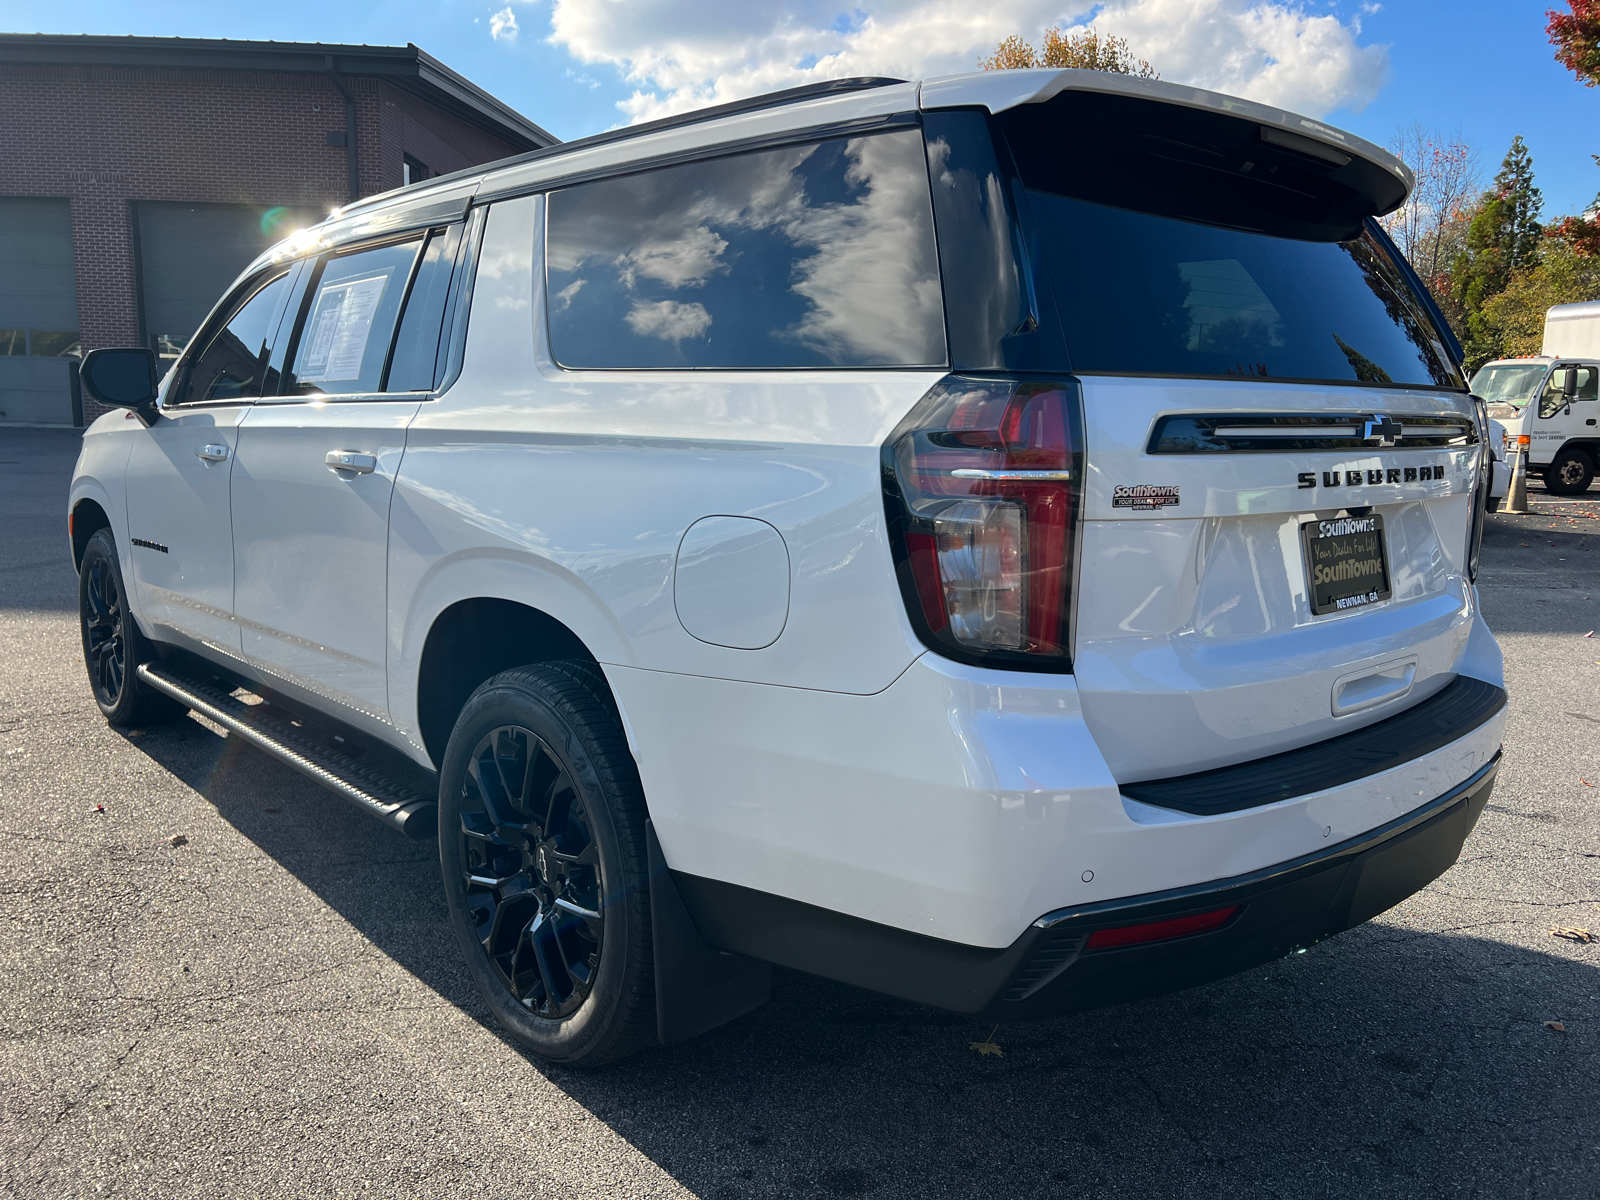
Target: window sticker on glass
{"type": "Point", "coordinates": [339, 328]}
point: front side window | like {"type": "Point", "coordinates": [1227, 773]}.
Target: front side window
{"type": "Point", "coordinates": [344, 339]}
{"type": "Point", "coordinates": [1554, 398]}
{"type": "Point", "coordinates": [233, 364]}
{"type": "Point", "coordinates": [816, 255]}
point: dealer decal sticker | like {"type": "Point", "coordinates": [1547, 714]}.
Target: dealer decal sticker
{"type": "Point", "coordinates": [1143, 495]}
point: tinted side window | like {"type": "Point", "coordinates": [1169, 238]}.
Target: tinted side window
{"type": "Point", "coordinates": [806, 256]}
{"type": "Point", "coordinates": [416, 349]}
{"type": "Point", "coordinates": [234, 360]}
{"type": "Point", "coordinates": [1554, 398]}
{"type": "Point", "coordinates": [344, 338]}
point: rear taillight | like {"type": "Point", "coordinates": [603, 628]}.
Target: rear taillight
{"type": "Point", "coordinates": [981, 484]}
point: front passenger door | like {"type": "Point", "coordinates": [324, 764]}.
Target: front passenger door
{"type": "Point", "coordinates": [181, 557]}
{"type": "Point", "coordinates": [316, 469]}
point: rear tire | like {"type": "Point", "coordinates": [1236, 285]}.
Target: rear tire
{"type": "Point", "coordinates": [542, 846]}
{"type": "Point", "coordinates": [1569, 473]}
{"type": "Point", "coordinates": [113, 647]}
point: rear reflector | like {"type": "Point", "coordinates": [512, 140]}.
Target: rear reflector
{"type": "Point", "coordinates": [1160, 931]}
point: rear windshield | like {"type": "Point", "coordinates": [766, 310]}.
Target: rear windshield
{"type": "Point", "coordinates": [1178, 245]}
{"type": "Point", "coordinates": [1509, 384]}
{"type": "Point", "coordinates": [1156, 296]}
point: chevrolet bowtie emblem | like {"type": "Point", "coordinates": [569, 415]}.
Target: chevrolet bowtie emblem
{"type": "Point", "coordinates": [1380, 430]}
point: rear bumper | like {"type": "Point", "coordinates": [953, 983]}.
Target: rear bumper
{"type": "Point", "coordinates": [1280, 909]}
{"type": "Point", "coordinates": [1050, 969]}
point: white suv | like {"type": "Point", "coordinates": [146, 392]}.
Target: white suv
{"type": "Point", "coordinates": [1005, 541]}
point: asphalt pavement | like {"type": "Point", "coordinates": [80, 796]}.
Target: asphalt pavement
{"type": "Point", "coordinates": [220, 980]}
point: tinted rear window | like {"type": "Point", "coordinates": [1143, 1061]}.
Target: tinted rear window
{"type": "Point", "coordinates": [1151, 295]}
{"type": "Point", "coordinates": [1186, 243]}
{"type": "Point", "coordinates": [817, 255]}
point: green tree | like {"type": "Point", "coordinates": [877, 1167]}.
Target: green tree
{"type": "Point", "coordinates": [1514, 319]}
{"type": "Point", "coordinates": [1084, 49]}
{"type": "Point", "coordinates": [1503, 238]}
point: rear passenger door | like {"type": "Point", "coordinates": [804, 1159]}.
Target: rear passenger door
{"type": "Point", "coordinates": [316, 468]}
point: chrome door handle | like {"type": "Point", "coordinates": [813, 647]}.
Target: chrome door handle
{"type": "Point", "coordinates": [353, 461]}
{"type": "Point", "coordinates": [212, 454]}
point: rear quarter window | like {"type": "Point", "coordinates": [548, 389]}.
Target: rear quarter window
{"type": "Point", "coordinates": [818, 255]}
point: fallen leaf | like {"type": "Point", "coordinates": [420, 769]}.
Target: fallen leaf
{"type": "Point", "coordinates": [1584, 781]}
{"type": "Point", "coordinates": [133, 733]}
{"type": "Point", "coordinates": [1555, 1026]}
{"type": "Point", "coordinates": [1522, 543]}
{"type": "Point", "coordinates": [1572, 933]}
{"type": "Point", "coordinates": [988, 1045]}
{"type": "Point", "coordinates": [178, 840]}
{"type": "Point", "coordinates": [1589, 634]}
{"type": "Point", "coordinates": [99, 808]}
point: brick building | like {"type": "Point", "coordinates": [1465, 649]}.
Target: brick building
{"type": "Point", "coordinates": [139, 175]}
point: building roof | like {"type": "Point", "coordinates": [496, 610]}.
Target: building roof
{"type": "Point", "coordinates": [405, 67]}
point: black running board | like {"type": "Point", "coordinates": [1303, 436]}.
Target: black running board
{"type": "Point", "coordinates": [394, 803]}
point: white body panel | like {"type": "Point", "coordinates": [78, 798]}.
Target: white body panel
{"type": "Point", "coordinates": [1196, 643]}
{"type": "Point", "coordinates": [958, 803]}
{"type": "Point", "coordinates": [571, 491]}
{"type": "Point", "coordinates": [178, 498]}
{"type": "Point", "coordinates": [311, 548]}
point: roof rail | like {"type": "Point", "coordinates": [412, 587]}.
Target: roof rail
{"type": "Point", "coordinates": [694, 117]}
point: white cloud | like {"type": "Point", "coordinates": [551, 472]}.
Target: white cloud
{"type": "Point", "coordinates": [668, 320]}
{"type": "Point", "coordinates": [682, 56]}
{"type": "Point", "coordinates": [503, 25]}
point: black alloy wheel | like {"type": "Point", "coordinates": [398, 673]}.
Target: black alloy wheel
{"type": "Point", "coordinates": [532, 871]}
{"type": "Point", "coordinates": [105, 649]}
{"type": "Point", "coordinates": [542, 847]}
{"type": "Point", "coordinates": [113, 647]}
{"type": "Point", "coordinates": [1569, 474]}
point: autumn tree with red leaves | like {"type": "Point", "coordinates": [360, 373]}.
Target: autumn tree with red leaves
{"type": "Point", "coordinates": [1576, 36]}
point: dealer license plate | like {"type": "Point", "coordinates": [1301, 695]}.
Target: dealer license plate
{"type": "Point", "coordinates": [1347, 562]}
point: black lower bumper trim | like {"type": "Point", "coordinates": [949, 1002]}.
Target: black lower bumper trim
{"type": "Point", "coordinates": [1050, 969]}
{"type": "Point", "coordinates": [1447, 716]}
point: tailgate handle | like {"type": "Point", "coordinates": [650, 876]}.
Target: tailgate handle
{"type": "Point", "coordinates": [1375, 685]}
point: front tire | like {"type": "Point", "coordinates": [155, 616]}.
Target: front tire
{"type": "Point", "coordinates": [542, 846]}
{"type": "Point", "coordinates": [113, 647]}
{"type": "Point", "coordinates": [1569, 473]}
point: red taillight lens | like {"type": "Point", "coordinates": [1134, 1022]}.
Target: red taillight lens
{"type": "Point", "coordinates": [982, 488]}
{"type": "Point", "coordinates": [1160, 931]}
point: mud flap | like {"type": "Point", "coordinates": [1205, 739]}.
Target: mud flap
{"type": "Point", "coordinates": [697, 987]}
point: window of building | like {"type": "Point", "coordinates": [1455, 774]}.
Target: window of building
{"type": "Point", "coordinates": [233, 364]}
{"type": "Point", "coordinates": [413, 170]}
{"type": "Point", "coordinates": [817, 255]}
{"type": "Point", "coordinates": [344, 338]}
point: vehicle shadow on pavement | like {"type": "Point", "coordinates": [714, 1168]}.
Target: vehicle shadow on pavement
{"type": "Point", "coordinates": [1386, 1058]}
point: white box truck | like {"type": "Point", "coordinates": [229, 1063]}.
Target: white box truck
{"type": "Point", "coordinates": [1549, 403]}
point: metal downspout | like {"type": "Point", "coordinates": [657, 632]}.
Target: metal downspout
{"type": "Point", "coordinates": [352, 157]}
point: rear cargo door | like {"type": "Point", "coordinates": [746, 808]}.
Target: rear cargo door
{"type": "Point", "coordinates": [1280, 454]}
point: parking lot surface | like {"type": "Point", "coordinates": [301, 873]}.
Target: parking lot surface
{"type": "Point", "coordinates": [221, 980]}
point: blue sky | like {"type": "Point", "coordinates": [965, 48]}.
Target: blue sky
{"type": "Point", "coordinates": [1480, 68]}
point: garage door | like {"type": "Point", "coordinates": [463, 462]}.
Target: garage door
{"type": "Point", "coordinates": [190, 253]}
{"type": "Point", "coordinates": [38, 312]}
